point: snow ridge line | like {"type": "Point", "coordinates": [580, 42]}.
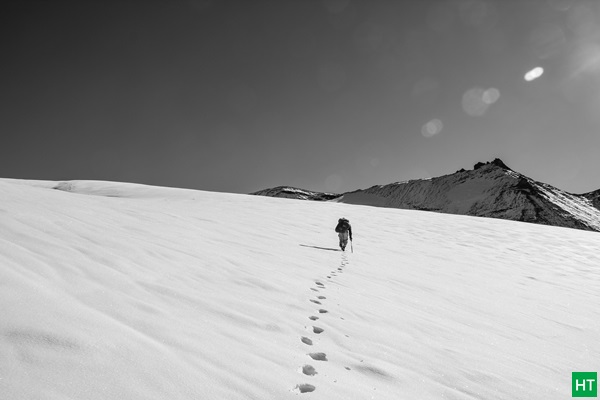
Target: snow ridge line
{"type": "Point", "coordinates": [577, 206]}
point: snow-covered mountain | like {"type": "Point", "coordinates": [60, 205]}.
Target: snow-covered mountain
{"type": "Point", "coordinates": [489, 190]}
{"type": "Point", "coordinates": [593, 197]}
{"type": "Point", "coordinates": [116, 291]}
{"type": "Point", "coordinates": [295, 193]}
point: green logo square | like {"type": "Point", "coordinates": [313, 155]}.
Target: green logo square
{"type": "Point", "coordinates": [584, 384]}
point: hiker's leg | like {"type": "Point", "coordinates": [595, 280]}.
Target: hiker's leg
{"type": "Point", "coordinates": [343, 240]}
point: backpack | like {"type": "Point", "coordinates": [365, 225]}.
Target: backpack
{"type": "Point", "coordinates": [343, 225]}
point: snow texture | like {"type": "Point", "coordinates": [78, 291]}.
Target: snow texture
{"type": "Point", "coordinates": [122, 291]}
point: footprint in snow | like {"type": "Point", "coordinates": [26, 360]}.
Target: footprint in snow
{"type": "Point", "coordinates": [317, 330]}
{"type": "Point", "coordinates": [315, 301]}
{"type": "Point", "coordinates": [319, 284]}
{"type": "Point", "coordinates": [313, 318]}
{"type": "Point", "coordinates": [314, 290]}
{"type": "Point", "coordinates": [309, 370]}
{"type": "Point", "coordinates": [306, 340]}
{"type": "Point", "coordinates": [322, 311]}
{"type": "Point", "coordinates": [321, 297]}
{"type": "Point", "coordinates": [305, 387]}
{"type": "Point", "coordinates": [318, 356]}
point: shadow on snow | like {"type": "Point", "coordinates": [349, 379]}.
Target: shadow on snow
{"type": "Point", "coordinates": [320, 248]}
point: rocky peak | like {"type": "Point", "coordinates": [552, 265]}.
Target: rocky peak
{"type": "Point", "coordinates": [496, 162]}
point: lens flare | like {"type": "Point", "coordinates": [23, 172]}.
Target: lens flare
{"type": "Point", "coordinates": [473, 103]}
{"type": "Point", "coordinates": [432, 128]}
{"type": "Point", "coordinates": [490, 96]}
{"type": "Point", "coordinates": [534, 74]}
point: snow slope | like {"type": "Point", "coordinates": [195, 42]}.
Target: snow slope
{"type": "Point", "coordinates": [122, 291]}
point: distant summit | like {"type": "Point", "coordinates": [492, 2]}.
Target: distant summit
{"type": "Point", "coordinates": [497, 162]}
{"type": "Point", "coordinates": [295, 193]}
{"type": "Point", "coordinates": [490, 189]}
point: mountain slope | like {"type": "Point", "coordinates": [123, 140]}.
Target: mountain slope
{"type": "Point", "coordinates": [295, 193]}
{"type": "Point", "coordinates": [489, 190]}
{"type": "Point", "coordinates": [593, 197]}
{"type": "Point", "coordinates": [121, 291]}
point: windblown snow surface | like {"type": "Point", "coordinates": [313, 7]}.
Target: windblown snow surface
{"type": "Point", "coordinates": [123, 291]}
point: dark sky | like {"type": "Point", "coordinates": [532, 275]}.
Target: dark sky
{"type": "Point", "coordinates": [327, 95]}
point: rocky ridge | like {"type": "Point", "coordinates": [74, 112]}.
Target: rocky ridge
{"type": "Point", "coordinates": [296, 193]}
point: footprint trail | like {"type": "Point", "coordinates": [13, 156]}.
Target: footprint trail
{"type": "Point", "coordinates": [308, 370]}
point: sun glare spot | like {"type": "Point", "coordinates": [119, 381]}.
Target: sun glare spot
{"type": "Point", "coordinates": [473, 102]}
{"type": "Point", "coordinates": [490, 96]}
{"type": "Point", "coordinates": [432, 128]}
{"type": "Point", "coordinates": [534, 74]}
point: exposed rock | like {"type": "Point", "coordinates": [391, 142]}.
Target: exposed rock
{"type": "Point", "coordinates": [497, 162]}
{"type": "Point", "coordinates": [296, 193]}
{"type": "Point", "coordinates": [593, 197]}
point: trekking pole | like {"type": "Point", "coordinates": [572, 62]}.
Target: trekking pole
{"type": "Point", "coordinates": [351, 247]}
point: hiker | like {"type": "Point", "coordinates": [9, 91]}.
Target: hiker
{"type": "Point", "coordinates": [344, 230]}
